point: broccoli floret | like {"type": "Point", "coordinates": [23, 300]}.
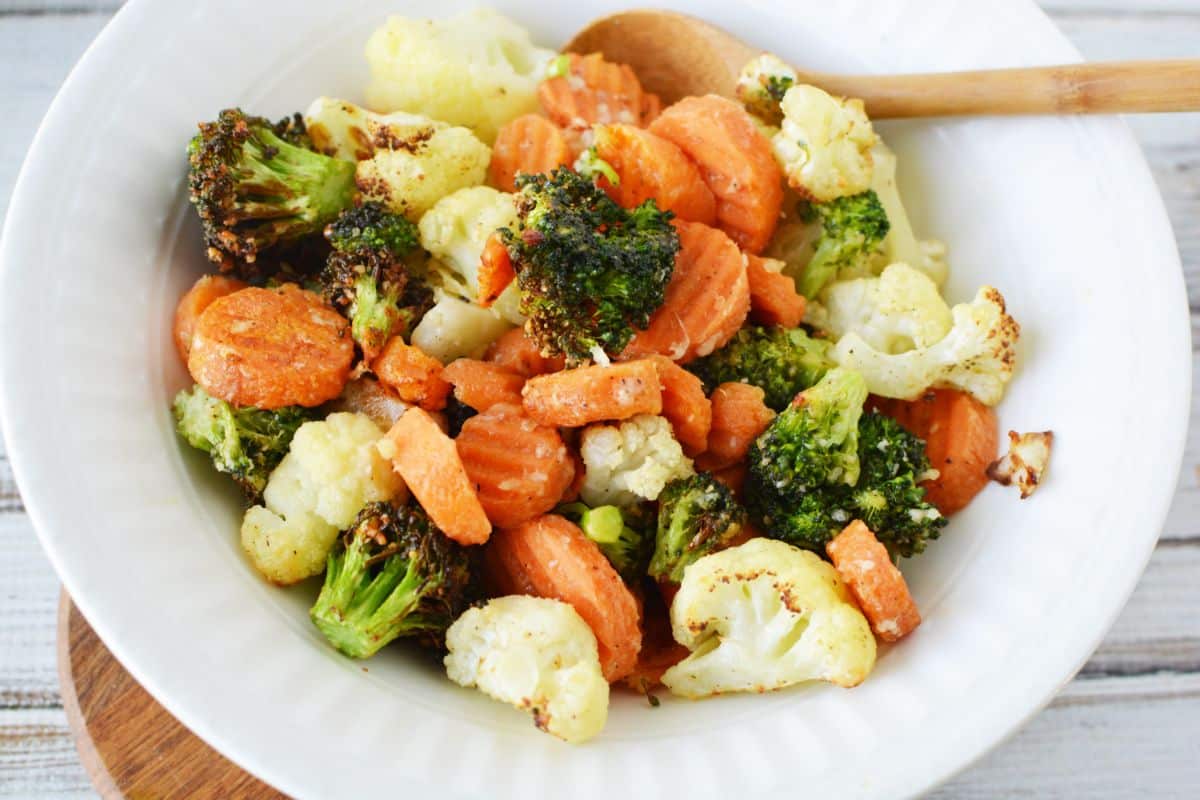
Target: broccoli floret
{"type": "Point", "coordinates": [394, 575]}
{"type": "Point", "coordinates": [852, 230]}
{"type": "Point", "coordinates": [244, 443]}
{"type": "Point", "coordinates": [366, 277]}
{"type": "Point", "coordinates": [622, 534]}
{"type": "Point", "coordinates": [589, 271]}
{"type": "Point", "coordinates": [821, 464]}
{"type": "Point", "coordinates": [696, 516]}
{"type": "Point", "coordinates": [256, 184]}
{"type": "Point", "coordinates": [780, 361]}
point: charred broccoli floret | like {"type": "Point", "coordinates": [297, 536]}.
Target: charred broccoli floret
{"type": "Point", "coordinates": [366, 277]}
{"type": "Point", "coordinates": [696, 516]}
{"type": "Point", "coordinates": [852, 231]}
{"type": "Point", "coordinates": [244, 443]}
{"type": "Point", "coordinates": [589, 271]}
{"type": "Point", "coordinates": [624, 535]}
{"type": "Point", "coordinates": [395, 574]}
{"type": "Point", "coordinates": [256, 184]}
{"type": "Point", "coordinates": [780, 361]}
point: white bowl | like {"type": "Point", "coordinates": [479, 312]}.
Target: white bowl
{"type": "Point", "coordinates": [1061, 214]}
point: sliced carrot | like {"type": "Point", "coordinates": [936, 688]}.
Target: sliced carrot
{"type": "Point", "coordinates": [520, 469]}
{"type": "Point", "coordinates": [961, 438]}
{"type": "Point", "coordinates": [495, 270]}
{"type": "Point", "coordinates": [651, 107]}
{"type": "Point", "coordinates": [684, 405]}
{"type": "Point", "coordinates": [773, 296]}
{"type": "Point", "coordinates": [651, 168]}
{"type": "Point", "coordinates": [878, 587]}
{"type": "Point", "coordinates": [482, 385]}
{"type": "Point", "coordinates": [576, 397]}
{"type": "Point", "coordinates": [733, 476]}
{"type": "Point", "coordinates": [593, 91]}
{"type": "Point", "coordinates": [735, 160]}
{"type": "Point", "coordinates": [706, 301]}
{"type": "Point", "coordinates": [530, 145]}
{"type": "Point", "coordinates": [550, 557]}
{"type": "Point", "coordinates": [574, 489]}
{"type": "Point", "coordinates": [739, 416]}
{"type": "Point", "coordinates": [192, 305]}
{"type": "Point", "coordinates": [271, 348]}
{"type": "Point", "coordinates": [516, 351]}
{"type": "Point", "coordinates": [659, 650]}
{"type": "Point", "coordinates": [414, 376]}
{"type": "Point", "coordinates": [428, 461]}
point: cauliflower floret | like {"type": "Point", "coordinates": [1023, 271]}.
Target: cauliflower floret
{"type": "Point", "coordinates": [977, 355]}
{"type": "Point", "coordinates": [454, 328]}
{"type": "Point", "coordinates": [824, 144]}
{"type": "Point", "coordinates": [537, 654]}
{"type": "Point", "coordinates": [332, 470]}
{"type": "Point", "coordinates": [630, 461]}
{"type": "Point", "coordinates": [455, 231]}
{"type": "Point", "coordinates": [762, 616]}
{"type": "Point", "coordinates": [901, 244]}
{"type": "Point", "coordinates": [1025, 463]}
{"type": "Point", "coordinates": [412, 173]}
{"type": "Point", "coordinates": [477, 69]}
{"type": "Point", "coordinates": [896, 312]}
{"type": "Point", "coordinates": [761, 86]}
{"type": "Point", "coordinates": [340, 129]}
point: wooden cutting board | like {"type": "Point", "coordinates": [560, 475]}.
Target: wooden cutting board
{"type": "Point", "coordinates": [129, 744]}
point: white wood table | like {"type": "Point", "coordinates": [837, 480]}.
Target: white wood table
{"type": "Point", "coordinates": [1128, 725]}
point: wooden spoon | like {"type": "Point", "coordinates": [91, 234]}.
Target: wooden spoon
{"type": "Point", "coordinates": [676, 55]}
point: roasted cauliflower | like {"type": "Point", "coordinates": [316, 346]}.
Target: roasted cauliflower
{"type": "Point", "coordinates": [824, 144]}
{"type": "Point", "coordinates": [455, 328]}
{"type": "Point", "coordinates": [630, 461]}
{"type": "Point", "coordinates": [537, 654]}
{"type": "Point", "coordinates": [901, 243]}
{"type": "Point", "coordinates": [761, 85]}
{"type": "Point", "coordinates": [762, 616]}
{"type": "Point", "coordinates": [896, 312]}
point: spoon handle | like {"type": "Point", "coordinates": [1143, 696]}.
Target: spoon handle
{"type": "Point", "coordinates": [1117, 87]}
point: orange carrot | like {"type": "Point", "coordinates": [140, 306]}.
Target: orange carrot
{"type": "Point", "coordinates": [651, 107]}
{"type": "Point", "coordinates": [659, 650]}
{"type": "Point", "coordinates": [271, 348]}
{"type": "Point", "coordinates": [651, 168]}
{"type": "Point", "coordinates": [593, 91]}
{"type": "Point", "coordinates": [961, 438]}
{"type": "Point", "coordinates": [706, 301]}
{"type": "Point", "coordinates": [428, 461]}
{"type": "Point", "coordinates": [733, 476]}
{"type": "Point", "coordinates": [414, 376]}
{"type": "Point", "coordinates": [735, 160]}
{"type": "Point", "coordinates": [684, 405]}
{"type": "Point", "coordinates": [192, 305]}
{"type": "Point", "coordinates": [739, 416]}
{"type": "Point", "coordinates": [516, 351]}
{"type": "Point", "coordinates": [495, 270]}
{"type": "Point", "coordinates": [550, 557]}
{"type": "Point", "coordinates": [878, 587]}
{"type": "Point", "coordinates": [482, 385]}
{"type": "Point", "coordinates": [773, 296]}
{"type": "Point", "coordinates": [575, 397]}
{"type": "Point", "coordinates": [520, 469]}
{"type": "Point", "coordinates": [530, 145]}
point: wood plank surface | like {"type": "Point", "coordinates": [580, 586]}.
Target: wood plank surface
{"type": "Point", "coordinates": [1129, 725]}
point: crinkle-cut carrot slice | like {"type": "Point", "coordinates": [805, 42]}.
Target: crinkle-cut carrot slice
{"type": "Point", "coordinates": [735, 160]}
{"type": "Point", "coordinates": [739, 416]}
{"type": "Point", "coordinates": [414, 376]}
{"type": "Point", "coordinates": [684, 405]}
{"type": "Point", "coordinates": [593, 91]}
{"type": "Point", "coordinates": [706, 301]}
{"type": "Point", "coordinates": [961, 438]}
{"type": "Point", "coordinates": [651, 168]}
{"type": "Point", "coordinates": [495, 270]}
{"type": "Point", "coordinates": [878, 587]}
{"type": "Point", "coordinates": [428, 461]}
{"type": "Point", "coordinates": [516, 351]}
{"type": "Point", "coordinates": [651, 108]}
{"type": "Point", "coordinates": [550, 557]}
{"type": "Point", "coordinates": [481, 385]}
{"type": "Point", "coordinates": [773, 296]}
{"type": "Point", "coordinates": [530, 145]}
{"type": "Point", "coordinates": [192, 305]}
{"type": "Point", "coordinates": [271, 348]}
{"type": "Point", "coordinates": [576, 397]}
{"type": "Point", "coordinates": [520, 469]}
